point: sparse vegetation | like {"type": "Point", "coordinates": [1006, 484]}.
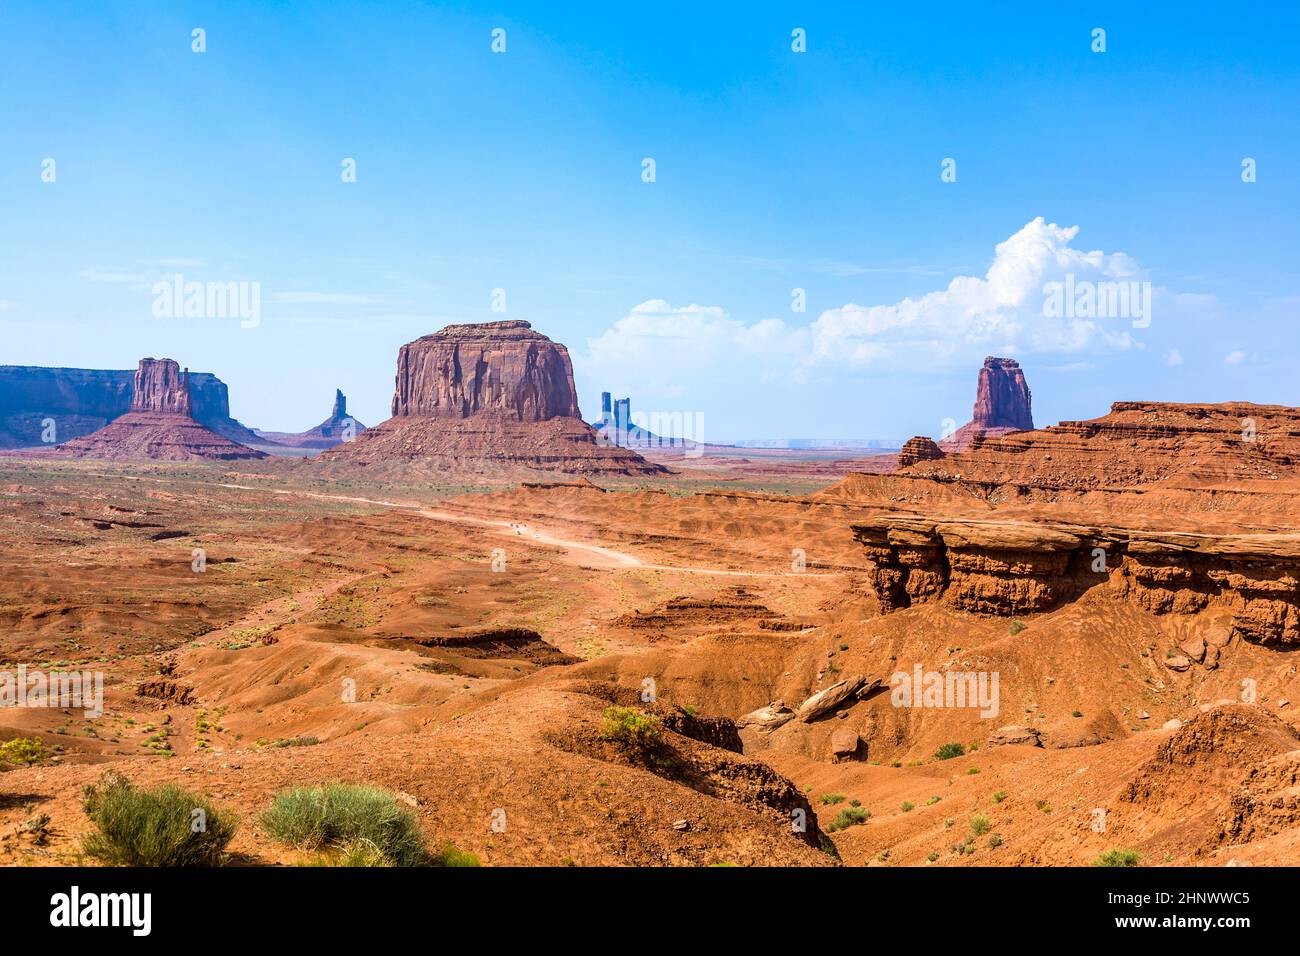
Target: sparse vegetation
{"type": "Point", "coordinates": [849, 817]}
{"type": "Point", "coordinates": [162, 826]}
{"type": "Point", "coordinates": [995, 841]}
{"type": "Point", "coordinates": [908, 806]}
{"type": "Point", "coordinates": [830, 799]}
{"type": "Point", "coordinates": [932, 801]}
{"type": "Point", "coordinates": [948, 751]}
{"type": "Point", "coordinates": [1119, 857]}
{"type": "Point", "coordinates": [999, 796]}
{"type": "Point", "coordinates": [23, 751]}
{"type": "Point", "coordinates": [979, 824]}
{"type": "Point", "coordinates": [629, 725]}
{"type": "Point", "coordinates": [346, 817]}
{"type": "Point", "coordinates": [1017, 627]}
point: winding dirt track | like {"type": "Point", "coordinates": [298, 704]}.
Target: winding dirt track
{"type": "Point", "coordinates": [582, 553]}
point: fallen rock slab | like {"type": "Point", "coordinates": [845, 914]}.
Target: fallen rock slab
{"type": "Point", "coordinates": [828, 699]}
{"type": "Point", "coordinates": [1016, 735]}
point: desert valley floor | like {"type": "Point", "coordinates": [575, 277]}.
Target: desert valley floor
{"type": "Point", "coordinates": [458, 644]}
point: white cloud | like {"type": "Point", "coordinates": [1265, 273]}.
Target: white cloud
{"type": "Point", "coordinates": [1003, 311]}
{"type": "Point", "coordinates": [1173, 357]}
{"type": "Point", "coordinates": [1234, 358]}
{"type": "Point", "coordinates": [999, 313]}
{"type": "Point", "coordinates": [7, 304]}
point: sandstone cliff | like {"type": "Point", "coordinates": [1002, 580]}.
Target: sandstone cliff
{"type": "Point", "coordinates": [1018, 567]}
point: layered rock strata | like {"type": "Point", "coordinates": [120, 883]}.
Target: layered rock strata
{"type": "Point", "coordinates": [1013, 567]}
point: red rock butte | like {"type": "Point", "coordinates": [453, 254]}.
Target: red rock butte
{"type": "Point", "coordinates": [158, 426]}
{"type": "Point", "coordinates": [495, 393]}
{"type": "Point", "coordinates": [1002, 405]}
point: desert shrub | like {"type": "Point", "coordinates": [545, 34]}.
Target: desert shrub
{"type": "Point", "coordinates": [979, 824]}
{"type": "Point", "coordinates": [153, 827]}
{"type": "Point", "coordinates": [907, 806]}
{"type": "Point", "coordinates": [449, 855]}
{"type": "Point", "coordinates": [629, 725]}
{"type": "Point", "coordinates": [1016, 627]}
{"type": "Point", "coordinates": [22, 750]}
{"type": "Point", "coordinates": [932, 801]}
{"type": "Point", "coordinates": [297, 742]}
{"type": "Point", "coordinates": [948, 751]}
{"type": "Point", "coordinates": [999, 796]}
{"type": "Point", "coordinates": [347, 816]}
{"type": "Point", "coordinates": [995, 841]}
{"type": "Point", "coordinates": [849, 817]}
{"type": "Point", "coordinates": [933, 855]}
{"type": "Point", "coordinates": [1119, 857]}
{"type": "Point", "coordinates": [830, 799]}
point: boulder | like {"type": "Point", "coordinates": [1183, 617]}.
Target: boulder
{"type": "Point", "coordinates": [1193, 648]}
{"type": "Point", "coordinates": [1178, 662]}
{"type": "Point", "coordinates": [845, 744]}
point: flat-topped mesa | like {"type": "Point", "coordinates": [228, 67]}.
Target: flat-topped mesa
{"type": "Point", "coordinates": [160, 386]}
{"type": "Point", "coordinates": [1018, 567]}
{"type": "Point", "coordinates": [497, 368]}
{"type": "Point", "coordinates": [1002, 397]}
{"type": "Point", "coordinates": [484, 396]}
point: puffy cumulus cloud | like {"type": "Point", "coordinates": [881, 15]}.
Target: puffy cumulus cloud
{"type": "Point", "coordinates": [1002, 312]}
{"type": "Point", "coordinates": [658, 342]}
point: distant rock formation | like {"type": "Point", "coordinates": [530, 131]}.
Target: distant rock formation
{"type": "Point", "coordinates": [158, 425]}
{"type": "Point", "coordinates": [335, 430]}
{"type": "Point", "coordinates": [495, 392]}
{"type": "Point", "coordinates": [36, 402]}
{"type": "Point", "coordinates": [1136, 443]}
{"type": "Point", "coordinates": [1002, 405]}
{"type": "Point", "coordinates": [919, 448]}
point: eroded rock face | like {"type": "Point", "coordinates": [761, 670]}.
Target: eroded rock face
{"type": "Point", "coordinates": [1002, 398]}
{"type": "Point", "coordinates": [501, 368]}
{"type": "Point", "coordinates": [161, 386]}
{"type": "Point", "coordinates": [1016, 567]}
{"type": "Point", "coordinates": [1002, 406]}
{"type": "Point", "coordinates": [918, 448]}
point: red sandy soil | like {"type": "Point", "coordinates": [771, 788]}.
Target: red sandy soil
{"type": "Point", "coordinates": [481, 690]}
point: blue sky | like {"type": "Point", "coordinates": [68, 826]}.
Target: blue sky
{"type": "Point", "coordinates": [775, 170]}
